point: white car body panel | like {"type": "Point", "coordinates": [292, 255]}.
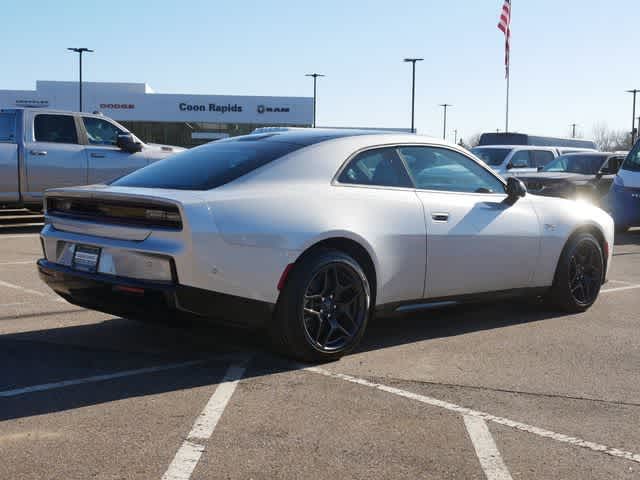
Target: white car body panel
{"type": "Point", "coordinates": [239, 238]}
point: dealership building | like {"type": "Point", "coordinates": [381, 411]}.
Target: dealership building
{"type": "Point", "coordinates": [174, 119]}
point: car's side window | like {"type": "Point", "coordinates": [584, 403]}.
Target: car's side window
{"type": "Point", "coordinates": [521, 159]}
{"type": "Point", "coordinates": [55, 129]}
{"type": "Point", "coordinates": [541, 158]}
{"type": "Point", "coordinates": [101, 132]}
{"type": "Point", "coordinates": [613, 164]}
{"type": "Point", "coordinates": [378, 167]}
{"type": "Point", "coordinates": [434, 168]}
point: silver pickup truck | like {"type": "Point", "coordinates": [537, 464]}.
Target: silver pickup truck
{"type": "Point", "coordinates": [41, 149]}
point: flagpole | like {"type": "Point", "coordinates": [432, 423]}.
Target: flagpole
{"type": "Point", "coordinates": [506, 123]}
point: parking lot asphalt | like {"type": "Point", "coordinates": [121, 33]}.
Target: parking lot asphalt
{"type": "Point", "coordinates": [493, 391]}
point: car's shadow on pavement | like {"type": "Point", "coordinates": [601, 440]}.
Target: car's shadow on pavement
{"type": "Point", "coordinates": [431, 324]}
{"type": "Point", "coordinates": [119, 345]}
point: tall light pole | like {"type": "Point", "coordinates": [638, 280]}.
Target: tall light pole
{"type": "Point", "coordinates": [633, 117]}
{"type": "Point", "coordinates": [315, 79]}
{"type": "Point", "coordinates": [413, 89]}
{"type": "Point", "coordinates": [80, 51]}
{"type": "Point", "coordinates": [444, 126]}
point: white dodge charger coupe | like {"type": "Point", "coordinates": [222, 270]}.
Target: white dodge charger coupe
{"type": "Point", "coordinates": [307, 233]}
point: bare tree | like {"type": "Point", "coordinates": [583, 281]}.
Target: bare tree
{"type": "Point", "coordinates": [474, 140]}
{"type": "Point", "coordinates": [610, 140]}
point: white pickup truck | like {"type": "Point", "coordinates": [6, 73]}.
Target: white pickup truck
{"type": "Point", "coordinates": [41, 149]}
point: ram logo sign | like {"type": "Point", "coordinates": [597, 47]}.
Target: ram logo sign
{"type": "Point", "coordinates": [265, 109]}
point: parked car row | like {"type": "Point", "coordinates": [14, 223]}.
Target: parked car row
{"type": "Point", "coordinates": [571, 169]}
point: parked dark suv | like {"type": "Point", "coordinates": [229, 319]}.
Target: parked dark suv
{"type": "Point", "coordinates": [586, 175]}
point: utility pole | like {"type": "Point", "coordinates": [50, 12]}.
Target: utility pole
{"type": "Point", "coordinates": [633, 117]}
{"type": "Point", "coordinates": [444, 126]}
{"type": "Point", "coordinates": [413, 89]}
{"type": "Point", "coordinates": [315, 78]}
{"type": "Point", "coordinates": [573, 126]}
{"type": "Point", "coordinates": [455, 136]}
{"type": "Point", "coordinates": [80, 51]}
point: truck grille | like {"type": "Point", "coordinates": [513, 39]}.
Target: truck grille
{"type": "Point", "coordinates": [121, 212]}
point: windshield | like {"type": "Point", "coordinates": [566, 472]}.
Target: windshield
{"type": "Point", "coordinates": [208, 166]}
{"type": "Point", "coordinates": [632, 163]}
{"type": "Point", "coordinates": [586, 164]}
{"type": "Point", "coordinates": [491, 156]}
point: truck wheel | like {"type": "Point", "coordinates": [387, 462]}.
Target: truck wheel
{"type": "Point", "coordinates": [323, 308]}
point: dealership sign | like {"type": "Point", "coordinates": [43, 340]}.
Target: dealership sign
{"type": "Point", "coordinates": [137, 102]}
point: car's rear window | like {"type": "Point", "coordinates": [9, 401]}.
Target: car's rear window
{"type": "Point", "coordinates": [208, 166]}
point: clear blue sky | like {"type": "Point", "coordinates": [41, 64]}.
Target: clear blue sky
{"type": "Point", "coordinates": [571, 60]}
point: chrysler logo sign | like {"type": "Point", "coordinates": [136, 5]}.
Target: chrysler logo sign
{"type": "Point", "coordinates": [265, 109]}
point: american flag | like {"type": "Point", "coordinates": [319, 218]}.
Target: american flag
{"type": "Point", "coordinates": [505, 26]}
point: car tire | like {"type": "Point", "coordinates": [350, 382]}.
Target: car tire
{"type": "Point", "coordinates": [578, 275]}
{"type": "Point", "coordinates": [323, 308]}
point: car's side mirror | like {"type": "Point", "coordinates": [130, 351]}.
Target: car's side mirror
{"type": "Point", "coordinates": [515, 189]}
{"type": "Point", "coordinates": [605, 171]}
{"type": "Point", "coordinates": [127, 142]}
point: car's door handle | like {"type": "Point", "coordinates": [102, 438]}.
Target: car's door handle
{"type": "Point", "coordinates": [97, 155]}
{"type": "Point", "coordinates": [40, 153]}
{"type": "Point", "coordinates": [440, 217]}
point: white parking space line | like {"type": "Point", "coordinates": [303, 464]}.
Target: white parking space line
{"type": "Point", "coordinates": [619, 289]}
{"type": "Point", "coordinates": [95, 378]}
{"type": "Point", "coordinates": [452, 407]}
{"type": "Point", "coordinates": [486, 449]}
{"type": "Point", "coordinates": [32, 292]}
{"type": "Point", "coordinates": [26, 290]}
{"type": "Point", "coordinates": [12, 304]}
{"type": "Point", "coordinates": [22, 262]}
{"type": "Point", "coordinates": [26, 235]}
{"type": "Point", "coordinates": [189, 453]}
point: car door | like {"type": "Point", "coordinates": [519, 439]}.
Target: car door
{"type": "Point", "coordinates": [477, 241]}
{"type": "Point", "coordinates": [377, 198]}
{"type": "Point", "coordinates": [609, 171]}
{"type": "Point", "coordinates": [54, 156]}
{"type": "Point", "coordinates": [105, 159]}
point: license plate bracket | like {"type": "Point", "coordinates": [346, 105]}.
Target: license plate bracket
{"type": "Point", "coordinates": [86, 258]}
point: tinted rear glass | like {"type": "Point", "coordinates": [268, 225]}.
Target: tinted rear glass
{"type": "Point", "coordinates": [207, 166]}
{"type": "Point", "coordinates": [7, 127]}
{"type": "Point", "coordinates": [55, 129]}
{"type": "Point", "coordinates": [586, 164]}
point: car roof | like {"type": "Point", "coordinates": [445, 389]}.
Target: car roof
{"type": "Point", "coordinates": [311, 136]}
{"type": "Point", "coordinates": [589, 153]}
{"type": "Point", "coordinates": [518, 147]}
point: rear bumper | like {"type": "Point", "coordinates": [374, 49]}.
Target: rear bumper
{"type": "Point", "coordinates": [151, 300]}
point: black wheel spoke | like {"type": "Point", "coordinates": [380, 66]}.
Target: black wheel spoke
{"type": "Point", "coordinates": [334, 307]}
{"type": "Point", "coordinates": [585, 272]}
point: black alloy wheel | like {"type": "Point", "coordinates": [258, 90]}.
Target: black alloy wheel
{"type": "Point", "coordinates": [585, 272]}
{"type": "Point", "coordinates": [335, 307]}
{"type": "Point", "coordinates": [579, 274]}
{"type": "Point", "coordinates": [323, 308]}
